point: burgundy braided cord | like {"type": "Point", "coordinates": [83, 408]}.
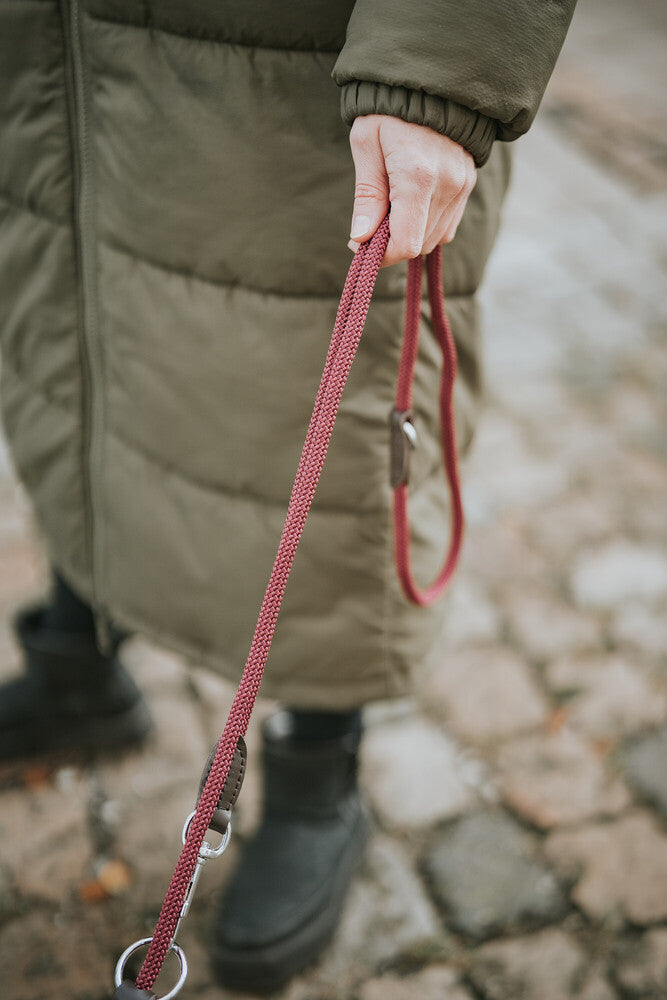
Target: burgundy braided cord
{"type": "Point", "coordinates": [445, 339]}
{"type": "Point", "coordinates": [344, 342]}
{"type": "Point", "coordinates": [345, 339]}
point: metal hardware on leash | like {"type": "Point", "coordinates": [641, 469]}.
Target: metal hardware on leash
{"type": "Point", "coordinates": [129, 988]}
{"type": "Point", "coordinates": [206, 852]}
{"type": "Point", "coordinates": [403, 442]}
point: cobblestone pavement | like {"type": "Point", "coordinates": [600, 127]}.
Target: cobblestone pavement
{"type": "Point", "coordinates": [530, 862]}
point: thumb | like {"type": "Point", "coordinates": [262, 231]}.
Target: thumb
{"type": "Point", "coordinates": [371, 191]}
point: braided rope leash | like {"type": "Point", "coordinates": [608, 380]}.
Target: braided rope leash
{"type": "Point", "coordinates": [345, 339]}
{"type": "Point", "coordinates": [402, 423]}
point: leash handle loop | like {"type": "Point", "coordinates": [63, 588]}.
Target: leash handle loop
{"type": "Point", "coordinates": [402, 417]}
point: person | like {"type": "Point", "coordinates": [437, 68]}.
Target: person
{"type": "Point", "coordinates": [175, 189]}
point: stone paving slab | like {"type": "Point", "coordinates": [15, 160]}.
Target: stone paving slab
{"type": "Point", "coordinates": [641, 966]}
{"type": "Point", "coordinates": [540, 794]}
{"type": "Point", "coordinates": [646, 768]}
{"type": "Point", "coordinates": [545, 966]}
{"type": "Point", "coordinates": [435, 779]}
{"type": "Point", "coordinates": [485, 694]}
{"type": "Point", "coordinates": [619, 868]}
{"type": "Point", "coordinates": [559, 778]}
{"type": "Point", "coordinates": [485, 875]}
{"type": "Point", "coordinates": [435, 983]}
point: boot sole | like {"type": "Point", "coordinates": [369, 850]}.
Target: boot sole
{"type": "Point", "coordinates": [267, 969]}
{"type": "Point", "coordinates": [90, 734]}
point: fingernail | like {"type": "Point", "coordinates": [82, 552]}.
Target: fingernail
{"type": "Point", "coordinates": [353, 246]}
{"type": "Point", "coordinates": [360, 226]}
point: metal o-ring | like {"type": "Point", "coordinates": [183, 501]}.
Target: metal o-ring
{"type": "Point", "coordinates": [180, 955]}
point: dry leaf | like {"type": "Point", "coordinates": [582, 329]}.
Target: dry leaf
{"type": "Point", "coordinates": [91, 891]}
{"type": "Point", "coordinates": [36, 775]}
{"type": "Point", "coordinates": [114, 876]}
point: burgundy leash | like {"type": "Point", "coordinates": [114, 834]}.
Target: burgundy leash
{"type": "Point", "coordinates": [347, 333]}
{"type": "Point", "coordinates": [402, 417]}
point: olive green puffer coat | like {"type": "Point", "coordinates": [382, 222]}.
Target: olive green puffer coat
{"type": "Point", "coordinates": [175, 192]}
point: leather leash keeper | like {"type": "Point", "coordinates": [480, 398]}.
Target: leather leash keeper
{"type": "Point", "coordinates": [223, 774]}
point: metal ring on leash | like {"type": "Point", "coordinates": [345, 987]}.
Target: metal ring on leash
{"type": "Point", "coordinates": [206, 850]}
{"type": "Point", "coordinates": [129, 951]}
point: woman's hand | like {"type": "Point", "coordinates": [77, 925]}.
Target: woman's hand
{"type": "Point", "coordinates": [423, 175]}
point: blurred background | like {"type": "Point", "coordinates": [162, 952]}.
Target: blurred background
{"type": "Point", "coordinates": [530, 860]}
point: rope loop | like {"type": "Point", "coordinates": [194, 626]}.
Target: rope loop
{"type": "Point", "coordinates": [403, 410]}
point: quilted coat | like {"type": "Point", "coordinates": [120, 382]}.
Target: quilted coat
{"type": "Point", "coordinates": [175, 194]}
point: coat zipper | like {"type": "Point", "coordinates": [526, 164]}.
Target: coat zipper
{"type": "Point", "coordinates": [93, 364]}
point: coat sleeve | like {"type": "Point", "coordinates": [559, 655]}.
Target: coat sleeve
{"type": "Point", "coordinates": [474, 70]}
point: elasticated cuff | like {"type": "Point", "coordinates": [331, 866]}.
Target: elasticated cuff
{"type": "Point", "coordinates": [472, 130]}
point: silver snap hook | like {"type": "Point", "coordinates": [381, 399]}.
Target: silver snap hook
{"type": "Point", "coordinates": [207, 850]}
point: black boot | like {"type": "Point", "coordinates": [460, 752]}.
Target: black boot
{"type": "Point", "coordinates": [284, 901]}
{"type": "Point", "coordinates": [70, 697]}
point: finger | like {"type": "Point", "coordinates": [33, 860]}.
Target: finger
{"type": "Point", "coordinates": [437, 221]}
{"type": "Point", "coordinates": [371, 192]}
{"type": "Point", "coordinates": [447, 219]}
{"type": "Point", "coordinates": [436, 234]}
{"type": "Point", "coordinates": [458, 205]}
{"type": "Point", "coordinates": [454, 216]}
{"type": "Point", "coordinates": [407, 224]}
{"type": "Point", "coordinates": [444, 229]}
